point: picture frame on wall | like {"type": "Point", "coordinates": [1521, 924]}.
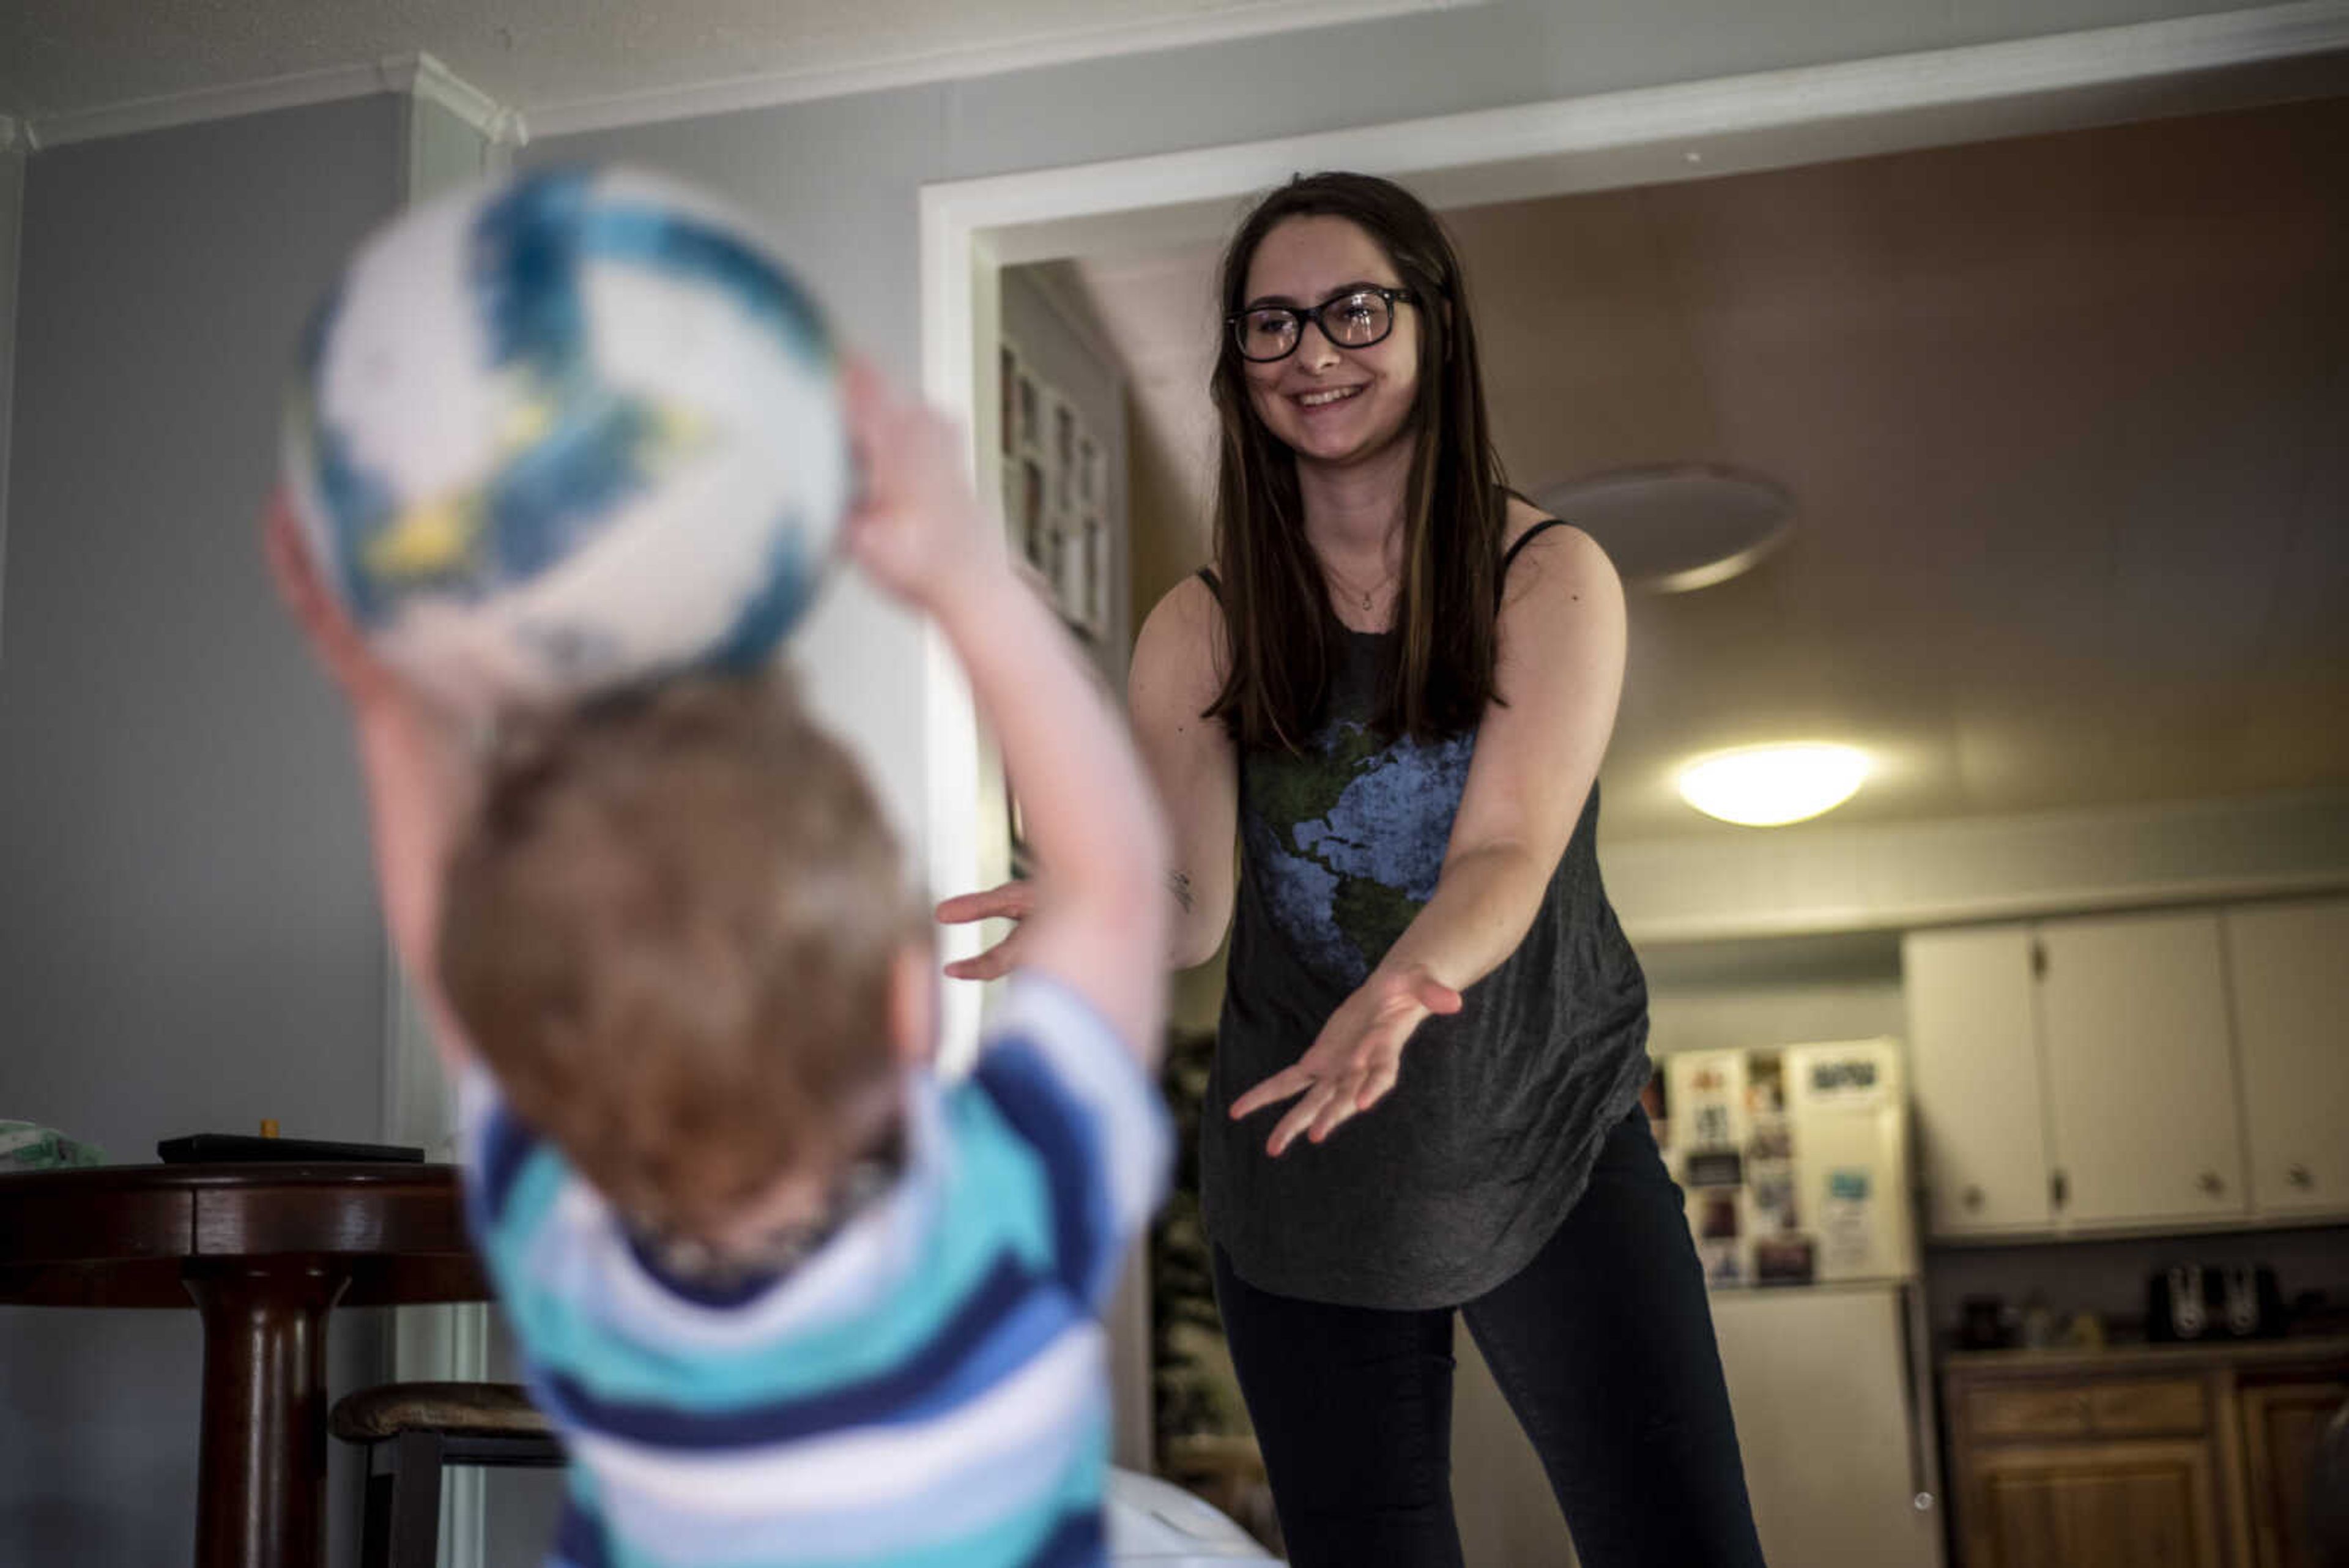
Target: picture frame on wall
{"type": "Point", "coordinates": [1028, 406]}
{"type": "Point", "coordinates": [1056, 565]}
{"type": "Point", "coordinates": [1007, 398]}
{"type": "Point", "coordinates": [1089, 473]}
{"type": "Point", "coordinates": [1097, 478]}
{"type": "Point", "coordinates": [1094, 592]}
{"type": "Point", "coordinates": [1062, 453]}
{"type": "Point", "coordinates": [1033, 514]}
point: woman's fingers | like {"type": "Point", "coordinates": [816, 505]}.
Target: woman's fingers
{"type": "Point", "coordinates": [1377, 1082]}
{"type": "Point", "coordinates": [1301, 1115]}
{"type": "Point", "coordinates": [1341, 1107]}
{"type": "Point", "coordinates": [1008, 902]}
{"type": "Point", "coordinates": [1353, 1066]}
{"type": "Point", "coordinates": [993, 963]}
{"type": "Point", "coordinates": [1288, 1081]}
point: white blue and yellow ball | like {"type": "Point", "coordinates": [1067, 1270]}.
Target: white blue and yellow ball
{"type": "Point", "coordinates": [571, 432]}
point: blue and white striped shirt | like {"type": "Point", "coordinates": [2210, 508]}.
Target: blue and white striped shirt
{"type": "Point", "coordinates": [928, 1387]}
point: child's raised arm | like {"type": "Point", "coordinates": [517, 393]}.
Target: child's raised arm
{"type": "Point", "coordinates": [419, 784]}
{"type": "Point", "coordinates": [1098, 916]}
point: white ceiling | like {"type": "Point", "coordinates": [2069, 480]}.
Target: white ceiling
{"type": "Point", "coordinates": [64, 59]}
{"type": "Point", "coordinates": [2066, 418]}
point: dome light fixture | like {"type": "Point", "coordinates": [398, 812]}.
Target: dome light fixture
{"type": "Point", "coordinates": [1769, 786]}
{"type": "Point", "coordinates": [1678, 526]}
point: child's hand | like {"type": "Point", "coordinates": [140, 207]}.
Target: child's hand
{"type": "Point", "coordinates": [421, 778]}
{"type": "Point", "coordinates": [918, 527]}
{"type": "Point", "coordinates": [332, 637]}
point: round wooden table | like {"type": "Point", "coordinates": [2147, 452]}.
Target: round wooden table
{"type": "Point", "coordinates": [264, 1251]}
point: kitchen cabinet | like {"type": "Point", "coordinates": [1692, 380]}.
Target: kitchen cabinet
{"type": "Point", "coordinates": [2134, 1032]}
{"type": "Point", "coordinates": [2186, 1455]}
{"type": "Point", "coordinates": [2280, 1424]}
{"type": "Point", "coordinates": [2132, 1072]}
{"type": "Point", "coordinates": [2081, 1472]}
{"type": "Point", "coordinates": [2288, 966]}
{"type": "Point", "coordinates": [2106, 1505]}
{"type": "Point", "coordinates": [1974, 1054]}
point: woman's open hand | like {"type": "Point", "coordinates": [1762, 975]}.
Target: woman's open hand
{"type": "Point", "coordinates": [1011, 901]}
{"type": "Point", "coordinates": [1355, 1059]}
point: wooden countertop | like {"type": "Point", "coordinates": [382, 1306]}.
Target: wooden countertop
{"type": "Point", "coordinates": [2311, 1349]}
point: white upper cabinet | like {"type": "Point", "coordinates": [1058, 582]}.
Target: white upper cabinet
{"type": "Point", "coordinates": [2133, 1072]}
{"type": "Point", "coordinates": [2289, 965]}
{"type": "Point", "coordinates": [1974, 1057]}
{"type": "Point", "coordinates": [2141, 1106]}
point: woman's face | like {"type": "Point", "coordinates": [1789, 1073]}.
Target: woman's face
{"type": "Point", "coordinates": [1329, 404]}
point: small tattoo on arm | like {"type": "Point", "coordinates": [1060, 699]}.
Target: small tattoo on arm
{"type": "Point", "coordinates": [1180, 885]}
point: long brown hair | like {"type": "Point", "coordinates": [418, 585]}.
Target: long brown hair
{"type": "Point", "coordinates": [1286, 641]}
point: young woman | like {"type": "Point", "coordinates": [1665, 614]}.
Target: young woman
{"type": "Point", "coordinates": [1392, 693]}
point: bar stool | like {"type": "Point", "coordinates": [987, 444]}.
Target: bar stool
{"type": "Point", "coordinates": [418, 1428]}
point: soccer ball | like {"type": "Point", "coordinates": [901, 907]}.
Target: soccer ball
{"type": "Point", "coordinates": [566, 433]}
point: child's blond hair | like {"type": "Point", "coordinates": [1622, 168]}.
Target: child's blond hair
{"type": "Point", "coordinates": [671, 935]}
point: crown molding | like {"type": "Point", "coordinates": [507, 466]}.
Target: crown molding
{"type": "Point", "coordinates": [423, 76]}
{"type": "Point", "coordinates": [418, 75]}
{"type": "Point", "coordinates": [1209, 24]}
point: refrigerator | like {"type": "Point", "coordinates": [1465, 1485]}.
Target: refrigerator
{"type": "Point", "coordinates": [1795, 1165]}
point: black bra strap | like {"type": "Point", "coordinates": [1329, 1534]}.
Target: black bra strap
{"type": "Point", "coordinates": [1207, 576]}
{"type": "Point", "coordinates": [1527, 537]}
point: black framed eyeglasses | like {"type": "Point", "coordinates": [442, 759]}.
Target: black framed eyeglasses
{"type": "Point", "coordinates": [1355, 318]}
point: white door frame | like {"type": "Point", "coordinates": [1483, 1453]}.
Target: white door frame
{"type": "Point", "coordinates": [451, 1343]}
{"type": "Point", "coordinates": [971, 229]}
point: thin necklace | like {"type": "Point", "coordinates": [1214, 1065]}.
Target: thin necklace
{"type": "Point", "coordinates": [1366, 592]}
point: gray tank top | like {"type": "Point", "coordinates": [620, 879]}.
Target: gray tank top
{"type": "Point", "coordinates": [1450, 1185]}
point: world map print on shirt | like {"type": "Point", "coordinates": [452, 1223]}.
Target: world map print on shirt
{"type": "Point", "coordinates": [1347, 839]}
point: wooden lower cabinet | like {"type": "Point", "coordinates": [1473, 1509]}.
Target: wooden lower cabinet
{"type": "Point", "coordinates": [2280, 1423]}
{"type": "Point", "coordinates": [2093, 1505]}
{"type": "Point", "coordinates": [2138, 1459]}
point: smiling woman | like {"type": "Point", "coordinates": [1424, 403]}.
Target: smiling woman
{"type": "Point", "coordinates": [1393, 691]}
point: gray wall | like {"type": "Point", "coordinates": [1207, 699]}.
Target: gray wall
{"type": "Point", "coordinates": [12, 205]}
{"type": "Point", "coordinates": [188, 933]}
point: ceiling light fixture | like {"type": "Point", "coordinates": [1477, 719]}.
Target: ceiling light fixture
{"type": "Point", "coordinates": [1769, 786]}
{"type": "Point", "coordinates": [1677, 527]}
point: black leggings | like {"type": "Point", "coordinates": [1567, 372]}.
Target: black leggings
{"type": "Point", "coordinates": [1603, 1346]}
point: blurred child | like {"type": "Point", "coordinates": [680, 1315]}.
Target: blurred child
{"type": "Point", "coordinates": [788, 1296]}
